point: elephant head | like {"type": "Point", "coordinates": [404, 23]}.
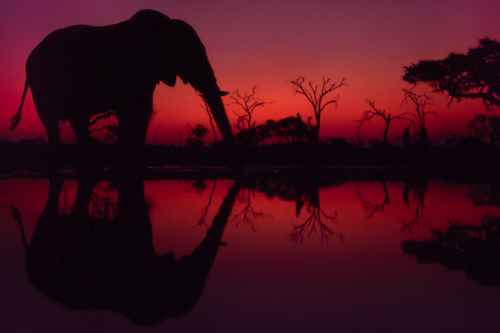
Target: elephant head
{"type": "Point", "coordinates": [179, 52]}
{"type": "Point", "coordinates": [84, 262]}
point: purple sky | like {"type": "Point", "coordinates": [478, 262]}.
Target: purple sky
{"type": "Point", "coordinates": [269, 43]}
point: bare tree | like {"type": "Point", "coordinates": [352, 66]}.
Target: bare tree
{"type": "Point", "coordinates": [358, 140]}
{"type": "Point", "coordinates": [318, 97]}
{"type": "Point", "coordinates": [101, 122]}
{"type": "Point", "coordinates": [179, 134]}
{"type": "Point", "coordinates": [248, 103]}
{"type": "Point", "coordinates": [374, 112]}
{"type": "Point", "coordinates": [418, 118]}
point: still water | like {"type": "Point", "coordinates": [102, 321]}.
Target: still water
{"type": "Point", "coordinates": [255, 255]}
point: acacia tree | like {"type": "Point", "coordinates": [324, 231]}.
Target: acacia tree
{"type": "Point", "coordinates": [486, 127]}
{"type": "Point", "coordinates": [289, 129]}
{"type": "Point", "coordinates": [248, 103]}
{"type": "Point", "coordinates": [418, 118]}
{"type": "Point", "coordinates": [475, 74]}
{"type": "Point", "coordinates": [318, 97]}
{"type": "Point", "coordinates": [375, 112]}
{"type": "Point", "coordinates": [195, 135]}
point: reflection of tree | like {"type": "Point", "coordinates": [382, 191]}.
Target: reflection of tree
{"type": "Point", "coordinates": [310, 198]}
{"type": "Point", "coordinates": [475, 249]}
{"type": "Point", "coordinates": [247, 215]}
{"type": "Point", "coordinates": [485, 194]}
{"type": "Point", "coordinates": [301, 190]}
{"type": "Point", "coordinates": [104, 202]}
{"type": "Point", "coordinates": [199, 184]}
{"type": "Point", "coordinates": [305, 193]}
{"type": "Point", "coordinates": [370, 208]}
{"type": "Point", "coordinates": [418, 189]}
{"type": "Point", "coordinates": [201, 221]}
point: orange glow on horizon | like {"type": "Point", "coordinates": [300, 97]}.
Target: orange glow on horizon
{"type": "Point", "coordinates": [176, 107]}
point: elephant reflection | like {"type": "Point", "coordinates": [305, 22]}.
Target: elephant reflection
{"type": "Point", "coordinates": [475, 249]}
{"type": "Point", "coordinates": [81, 71]}
{"type": "Point", "coordinates": [87, 263]}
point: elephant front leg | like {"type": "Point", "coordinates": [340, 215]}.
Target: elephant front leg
{"type": "Point", "coordinates": [133, 125]}
{"type": "Point", "coordinates": [84, 156]}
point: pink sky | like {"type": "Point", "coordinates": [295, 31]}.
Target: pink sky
{"type": "Point", "coordinates": [269, 43]}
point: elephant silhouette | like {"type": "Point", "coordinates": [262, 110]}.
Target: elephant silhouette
{"type": "Point", "coordinates": [81, 71]}
{"type": "Point", "coordinates": [87, 263]}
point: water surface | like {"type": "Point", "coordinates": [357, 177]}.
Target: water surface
{"type": "Point", "coordinates": [294, 255]}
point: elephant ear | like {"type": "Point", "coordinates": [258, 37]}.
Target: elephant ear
{"type": "Point", "coordinates": [169, 80]}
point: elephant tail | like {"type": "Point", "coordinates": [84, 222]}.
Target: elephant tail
{"type": "Point", "coordinates": [16, 215]}
{"type": "Point", "coordinates": [17, 118]}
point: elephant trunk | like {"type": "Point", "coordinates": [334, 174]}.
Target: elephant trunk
{"type": "Point", "coordinates": [218, 111]}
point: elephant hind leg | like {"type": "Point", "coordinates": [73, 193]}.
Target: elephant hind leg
{"type": "Point", "coordinates": [52, 130]}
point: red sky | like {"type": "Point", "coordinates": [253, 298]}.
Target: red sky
{"type": "Point", "coordinates": [269, 43]}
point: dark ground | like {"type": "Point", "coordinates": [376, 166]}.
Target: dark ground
{"type": "Point", "coordinates": [347, 162]}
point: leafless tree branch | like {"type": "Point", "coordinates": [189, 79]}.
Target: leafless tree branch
{"type": "Point", "coordinates": [319, 98]}
{"type": "Point", "coordinates": [248, 102]}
